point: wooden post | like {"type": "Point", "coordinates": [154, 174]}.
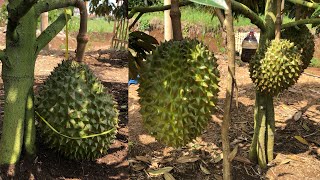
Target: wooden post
{"type": "Point", "coordinates": [44, 25]}
{"type": "Point", "coordinates": [167, 23]}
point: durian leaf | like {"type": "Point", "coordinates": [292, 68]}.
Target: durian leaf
{"type": "Point", "coordinates": [315, 14]}
{"type": "Point", "coordinates": [214, 3]}
{"type": "Point", "coordinates": [144, 37]}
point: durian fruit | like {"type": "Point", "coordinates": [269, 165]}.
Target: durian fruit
{"type": "Point", "coordinates": [303, 39]}
{"type": "Point", "coordinates": [74, 102]}
{"type": "Point", "coordinates": [276, 67]}
{"type": "Point", "coordinates": [178, 91]}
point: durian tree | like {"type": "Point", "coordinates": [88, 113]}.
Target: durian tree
{"type": "Point", "coordinates": [276, 66]}
{"type": "Point", "coordinates": [18, 63]}
{"type": "Point", "coordinates": [265, 67]}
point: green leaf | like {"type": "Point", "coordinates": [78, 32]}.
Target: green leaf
{"type": "Point", "coordinates": [316, 13]}
{"type": "Point", "coordinates": [215, 3]}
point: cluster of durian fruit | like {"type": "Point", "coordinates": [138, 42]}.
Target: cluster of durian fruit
{"type": "Point", "coordinates": [178, 92]}
{"type": "Point", "coordinates": [179, 82]}
{"type": "Point", "coordinates": [279, 64]}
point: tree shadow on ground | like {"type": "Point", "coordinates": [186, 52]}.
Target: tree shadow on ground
{"type": "Point", "coordinates": [117, 59]}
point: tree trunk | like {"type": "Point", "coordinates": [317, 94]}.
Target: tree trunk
{"type": "Point", "coordinates": [229, 93]}
{"type": "Point", "coordinates": [18, 63]}
{"type": "Point", "coordinates": [30, 129]}
{"type": "Point", "coordinates": [175, 15]}
{"type": "Point", "coordinates": [261, 149]}
{"type": "Point", "coordinates": [167, 22]}
{"type": "Point", "coordinates": [17, 75]}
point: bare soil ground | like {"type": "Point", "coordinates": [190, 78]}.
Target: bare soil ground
{"type": "Point", "coordinates": [201, 159]}
{"type": "Point", "coordinates": [113, 72]}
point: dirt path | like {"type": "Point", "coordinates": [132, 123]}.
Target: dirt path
{"type": "Point", "coordinates": [293, 160]}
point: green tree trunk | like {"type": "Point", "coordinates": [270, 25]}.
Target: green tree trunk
{"type": "Point", "coordinates": [18, 74]}
{"type": "Point", "coordinates": [261, 149]}
{"type": "Point", "coordinates": [18, 59]}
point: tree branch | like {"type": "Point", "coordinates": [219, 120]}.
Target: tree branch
{"type": "Point", "coordinates": [82, 38]}
{"type": "Point", "coordinates": [49, 5]}
{"type": "Point", "coordinates": [154, 8]}
{"type": "Point", "coordinates": [302, 21]}
{"type": "Point", "coordinates": [135, 20]}
{"type": "Point", "coordinates": [48, 34]}
{"type": "Point", "coordinates": [247, 12]}
{"type": "Point", "coordinates": [305, 3]}
{"type": "Point", "coordinates": [220, 15]}
{"type": "Point", "coordinates": [2, 55]}
{"type": "Point", "coordinates": [229, 93]}
{"type": "Point", "coordinates": [15, 12]}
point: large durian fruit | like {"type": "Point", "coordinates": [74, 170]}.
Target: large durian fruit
{"type": "Point", "coordinates": [303, 39]}
{"type": "Point", "coordinates": [178, 91]}
{"type": "Point", "coordinates": [74, 103]}
{"type": "Point", "coordinates": [276, 66]}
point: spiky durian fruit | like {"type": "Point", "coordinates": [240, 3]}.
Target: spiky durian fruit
{"type": "Point", "coordinates": [74, 102]}
{"type": "Point", "coordinates": [178, 91]}
{"type": "Point", "coordinates": [303, 39]}
{"type": "Point", "coordinates": [276, 67]}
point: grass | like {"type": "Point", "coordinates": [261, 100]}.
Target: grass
{"type": "Point", "coordinates": [315, 62]}
{"type": "Point", "coordinates": [196, 16]}
{"type": "Point", "coordinates": [94, 25]}
{"type": "Point", "coordinates": [188, 15]}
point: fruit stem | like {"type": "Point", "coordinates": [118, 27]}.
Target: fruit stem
{"type": "Point", "coordinates": [278, 21]}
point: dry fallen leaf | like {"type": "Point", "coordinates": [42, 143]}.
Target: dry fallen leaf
{"type": "Point", "coordinates": [137, 167]}
{"type": "Point", "coordinates": [302, 140]}
{"type": "Point", "coordinates": [218, 158]}
{"type": "Point", "coordinates": [160, 171]}
{"type": "Point", "coordinates": [132, 161]}
{"type": "Point", "coordinates": [233, 153]}
{"type": "Point", "coordinates": [187, 159]}
{"type": "Point", "coordinates": [143, 159]}
{"type": "Point", "coordinates": [305, 126]}
{"type": "Point", "coordinates": [163, 161]}
{"type": "Point", "coordinates": [297, 115]}
{"type": "Point", "coordinates": [204, 170]}
{"type": "Point", "coordinates": [217, 177]}
{"type": "Point", "coordinates": [168, 176]}
{"type": "Point", "coordinates": [154, 164]}
{"type": "Point", "coordinates": [286, 161]}
{"type": "Point", "coordinates": [242, 159]}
